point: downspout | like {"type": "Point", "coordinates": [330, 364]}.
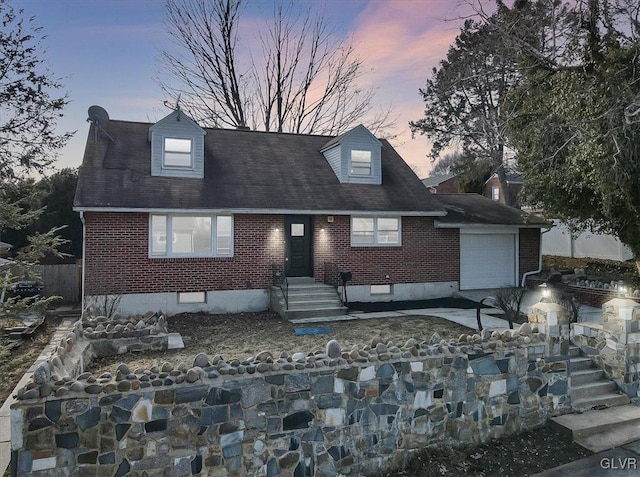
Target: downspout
{"type": "Point", "coordinates": [533, 272]}
{"type": "Point", "coordinates": [84, 263]}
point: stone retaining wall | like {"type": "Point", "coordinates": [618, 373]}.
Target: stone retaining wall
{"type": "Point", "coordinates": [350, 412]}
{"type": "Point", "coordinates": [614, 343]}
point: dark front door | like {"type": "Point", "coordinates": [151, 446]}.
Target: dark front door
{"type": "Point", "coordinates": [298, 230]}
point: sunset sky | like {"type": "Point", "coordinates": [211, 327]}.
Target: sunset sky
{"type": "Point", "coordinates": [106, 53]}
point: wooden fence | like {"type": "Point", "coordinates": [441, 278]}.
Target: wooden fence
{"type": "Point", "coordinates": [62, 280]}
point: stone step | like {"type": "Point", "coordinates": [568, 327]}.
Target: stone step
{"type": "Point", "coordinates": [574, 351]}
{"type": "Point", "coordinates": [315, 295]}
{"type": "Point", "coordinates": [301, 281]}
{"type": "Point", "coordinates": [577, 364]}
{"type": "Point", "coordinates": [313, 304]}
{"type": "Point", "coordinates": [608, 400]}
{"type": "Point", "coordinates": [589, 427]}
{"type": "Point", "coordinates": [311, 287]}
{"type": "Point", "coordinates": [586, 376]}
{"type": "Point", "coordinates": [316, 312]}
{"type": "Point", "coordinates": [590, 390]}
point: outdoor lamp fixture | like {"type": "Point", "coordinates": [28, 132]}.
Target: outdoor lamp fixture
{"type": "Point", "coordinates": [622, 289]}
{"type": "Point", "coordinates": [546, 292]}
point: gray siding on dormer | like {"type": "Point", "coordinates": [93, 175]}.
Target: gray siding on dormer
{"type": "Point", "coordinates": [333, 158]}
{"type": "Point", "coordinates": [361, 139]}
{"type": "Point", "coordinates": [338, 155]}
{"type": "Point", "coordinates": [183, 129]}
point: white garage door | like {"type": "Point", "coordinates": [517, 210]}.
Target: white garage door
{"type": "Point", "coordinates": [487, 261]}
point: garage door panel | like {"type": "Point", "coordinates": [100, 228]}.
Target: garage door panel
{"type": "Point", "coordinates": [487, 261]}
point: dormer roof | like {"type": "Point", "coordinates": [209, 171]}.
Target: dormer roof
{"type": "Point", "coordinates": [177, 116]}
{"type": "Point", "coordinates": [336, 140]}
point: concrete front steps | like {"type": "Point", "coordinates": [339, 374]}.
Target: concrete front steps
{"type": "Point", "coordinates": [308, 299]}
{"type": "Point", "coordinates": [599, 430]}
{"type": "Point", "coordinates": [614, 423]}
{"type": "Point", "coordinates": [589, 386]}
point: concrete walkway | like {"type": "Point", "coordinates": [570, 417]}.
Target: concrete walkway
{"type": "Point", "coordinates": [457, 315]}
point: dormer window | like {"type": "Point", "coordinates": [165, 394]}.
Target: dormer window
{"type": "Point", "coordinates": [360, 163]}
{"type": "Point", "coordinates": [355, 157]}
{"type": "Point", "coordinates": [177, 152]}
{"type": "Point", "coordinates": [177, 147]}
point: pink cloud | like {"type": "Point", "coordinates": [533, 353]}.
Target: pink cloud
{"type": "Point", "coordinates": [401, 41]}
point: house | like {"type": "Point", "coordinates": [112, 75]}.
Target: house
{"type": "Point", "coordinates": [493, 190]}
{"type": "Point", "coordinates": [442, 183]}
{"type": "Point", "coordinates": [181, 218]}
{"type": "Point", "coordinates": [450, 183]}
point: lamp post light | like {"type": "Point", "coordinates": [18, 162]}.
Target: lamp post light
{"type": "Point", "coordinates": [545, 290]}
{"type": "Point", "coordinates": [622, 289]}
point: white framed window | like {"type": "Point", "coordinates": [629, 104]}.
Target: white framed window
{"type": "Point", "coordinates": [177, 152]}
{"type": "Point", "coordinates": [495, 193]}
{"type": "Point", "coordinates": [360, 163]}
{"type": "Point", "coordinates": [381, 231]}
{"type": "Point", "coordinates": [191, 235]}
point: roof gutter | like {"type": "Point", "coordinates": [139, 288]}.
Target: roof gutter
{"type": "Point", "coordinates": [412, 213]}
{"type": "Point", "coordinates": [462, 225]}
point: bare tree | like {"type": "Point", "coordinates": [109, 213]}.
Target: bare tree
{"type": "Point", "coordinates": [305, 80]}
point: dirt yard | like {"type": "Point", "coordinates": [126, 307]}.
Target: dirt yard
{"type": "Point", "coordinates": [239, 336]}
{"type": "Point", "coordinates": [524, 454]}
{"type": "Point", "coordinates": [15, 362]}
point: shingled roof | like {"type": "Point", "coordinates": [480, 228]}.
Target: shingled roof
{"type": "Point", "coordinates": [244, 171]}
{"type": "Point", "coordinates": [475, 209]}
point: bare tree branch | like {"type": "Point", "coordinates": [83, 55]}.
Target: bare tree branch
{"type": "Point", "coordinates": [305, 80]}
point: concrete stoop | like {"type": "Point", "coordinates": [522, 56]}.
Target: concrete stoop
{"type": "Point", "coordinates": [308, 299]}
{"type": "Point", "coordinates": [603, 429]}
{"type": "Point", "coordinates": [589, 386]}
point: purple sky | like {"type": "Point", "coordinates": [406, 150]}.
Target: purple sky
{"type": "Point", "coordinates": [106, 53]}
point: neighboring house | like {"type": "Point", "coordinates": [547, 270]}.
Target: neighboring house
{"type": "Point", "coordinates": [493, 190]}
{"type": "Point", "coordinates": [449, 183]}
{"type": "Point", "coordinates": [442, 183]}
{"type": "Point", "coordinates": [181, 218]}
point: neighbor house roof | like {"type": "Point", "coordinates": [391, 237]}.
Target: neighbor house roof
{"type": "Point", "coordinates": [244, 171]}
{"type": "Point", "coordinates": [475, 209]}
{"type": "Point", "coordinates": [438, 179]}
{"type": "Point", "coordinates": [512, 178]}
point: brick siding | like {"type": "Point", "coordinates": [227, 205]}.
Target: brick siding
{"type": "Point", "coordinates": [449, 186]}
{"type": "Point", "coordinates": [513, 188]}
{"type": "Point", "coordinates": [117, 260]}
{"type": "Point", "coordinates": [117, 257]}
{"type": "Point", "coordinates": [427, 254]}
{"type": "Point", "coordinates": [529, 250]}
